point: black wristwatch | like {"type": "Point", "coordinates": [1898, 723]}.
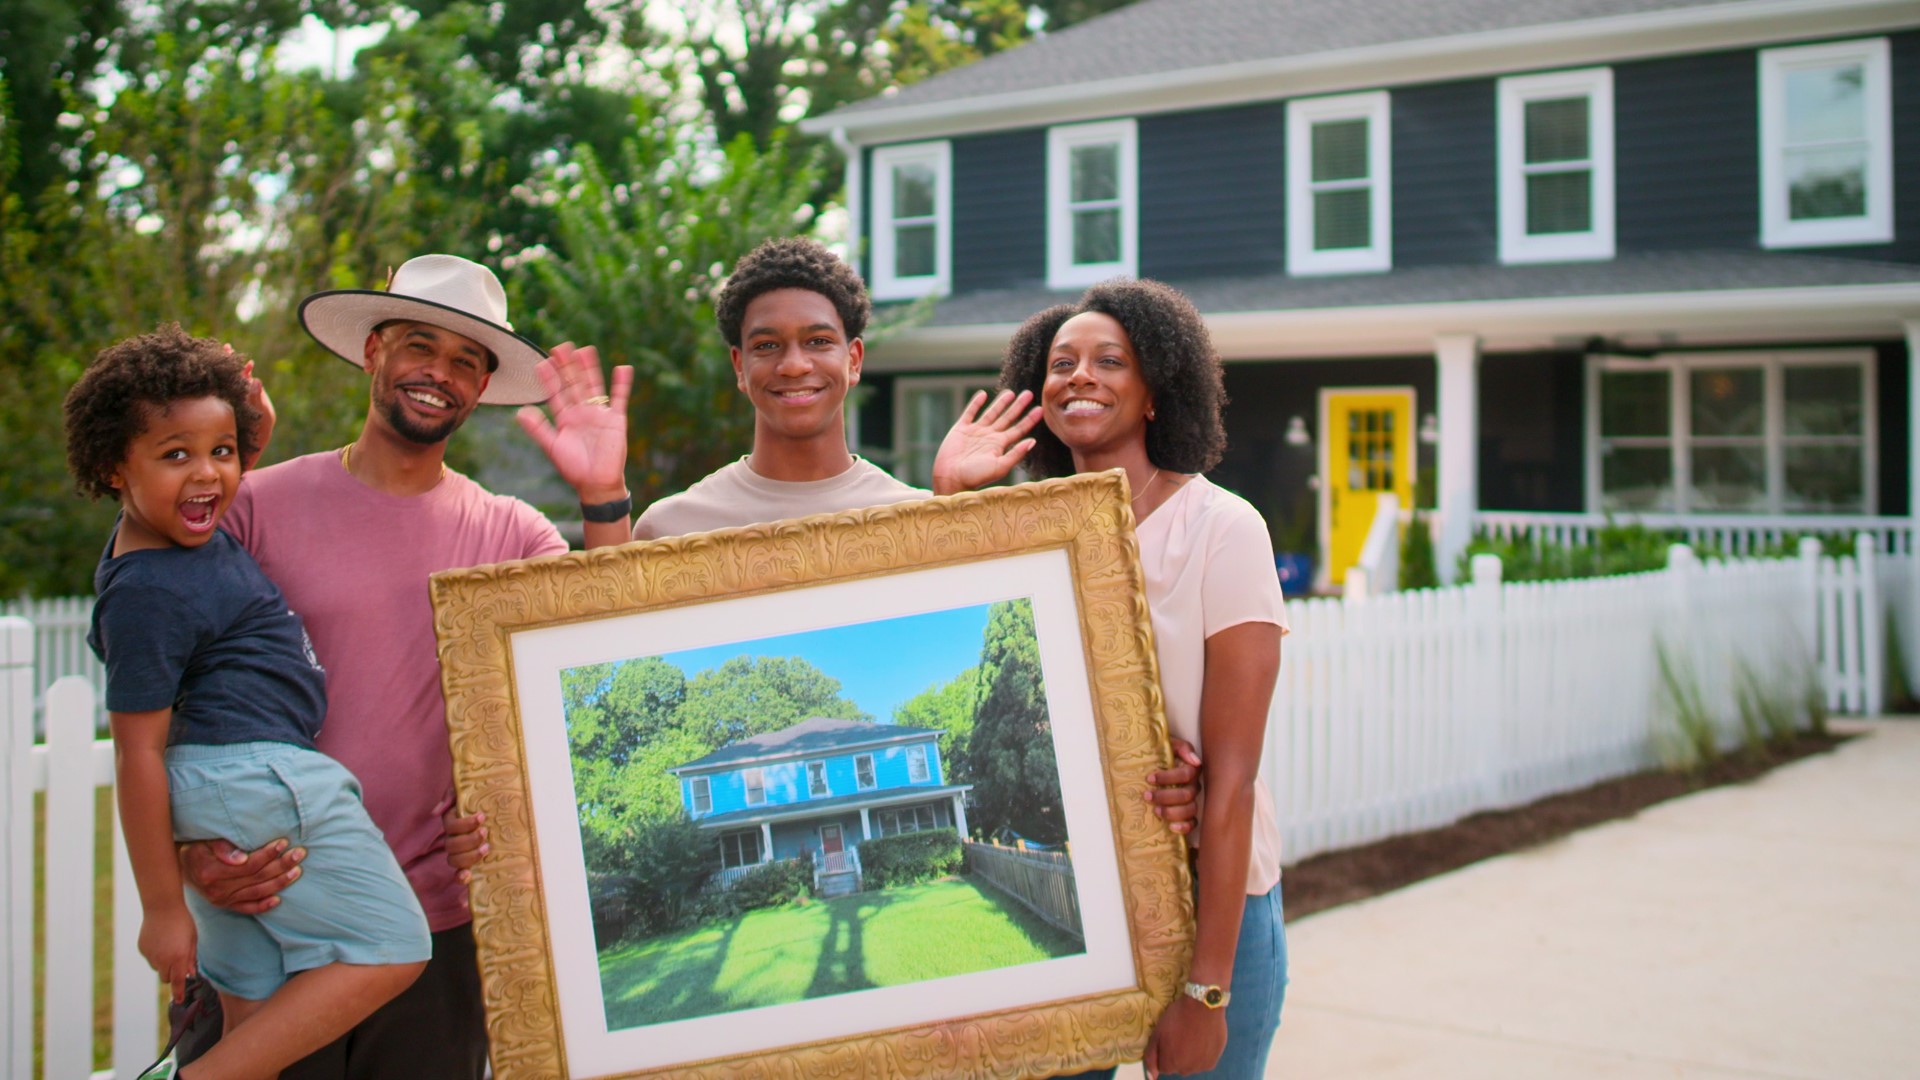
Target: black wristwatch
{"type": "Point", "coordinates": [602, 513]}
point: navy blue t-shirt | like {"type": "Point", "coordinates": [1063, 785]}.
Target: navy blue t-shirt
{"type": "Point", "coordinates": [204, 631]}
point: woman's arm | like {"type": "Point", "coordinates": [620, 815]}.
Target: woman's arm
{"type": "Point", "coordinates": [167, 937]}
{"type": "Point", "coordinates": [1242, 662]}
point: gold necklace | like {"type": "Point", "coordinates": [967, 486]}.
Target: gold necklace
{"type": "Point", "coordinates": [1145, 486]}
{"type": "Point", "coordinates": [346, 461]}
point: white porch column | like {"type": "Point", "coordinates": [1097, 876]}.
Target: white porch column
{"type": "Point", "coordinates": [766, 841]}
{"type": "Point", "coordinates": [866, 825]}
{"type": "Point", "coordinates": [960, 813]}
{"type": "Point", "coordinates": [1457, 357]}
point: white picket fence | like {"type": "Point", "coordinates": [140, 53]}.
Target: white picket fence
{"type": "Point", "coordinates": [1394, 712]}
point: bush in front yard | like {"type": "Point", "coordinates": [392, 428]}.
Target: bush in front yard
{"type": "Point", "coordinates": [772, 883]}
{"type": "Point", "coordinates": [909, 858]}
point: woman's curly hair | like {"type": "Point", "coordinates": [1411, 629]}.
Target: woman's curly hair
{"type": "Point", "coordinates": [792, 263]}
{"type": "Point", "coordinates": [1177, 359]}
{"type": "Point", "coordinates": [111, 404]}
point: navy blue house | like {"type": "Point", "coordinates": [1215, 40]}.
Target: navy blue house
{"type": "Point", "coordinates": [1539, 262]}
{"type": "Point", "coordinates": [816, 790]}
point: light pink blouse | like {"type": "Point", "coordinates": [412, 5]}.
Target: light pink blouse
{"type": "Point", "coordinates": [1209, 566]}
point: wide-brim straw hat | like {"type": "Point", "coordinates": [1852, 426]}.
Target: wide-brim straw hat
{"type": "Point", "coordinates": [446, 291]}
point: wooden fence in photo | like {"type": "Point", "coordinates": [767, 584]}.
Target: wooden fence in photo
{"type": "Point", "coordinates": [1042, 881]}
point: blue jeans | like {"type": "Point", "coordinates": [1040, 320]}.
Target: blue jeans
{"type": "Point", "coordinates": [1259, 988]}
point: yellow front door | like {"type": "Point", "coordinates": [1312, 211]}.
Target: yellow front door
{"type": "Point", "coordinates": [1369, 450]}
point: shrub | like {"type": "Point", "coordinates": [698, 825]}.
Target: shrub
{"type": "Point", "coordinates": [910, 858]}
{"type": "Point", "coordinates": [640, 881]}
{"type": "Point", "coordinates": [772, 883]}
{"type": "Point", "coordinates": [1417, 570]}
{"type": "Point", "coordinates": [1617, 549]}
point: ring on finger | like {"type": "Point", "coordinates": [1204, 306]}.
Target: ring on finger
{"type": "Point", "coordinates": [599, 399]}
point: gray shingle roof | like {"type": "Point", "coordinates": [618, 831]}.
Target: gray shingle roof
{"type": "Point", "coordinates": [1692, 271]}
{"type": "Point", "coordinates": [1159, 36]}
{"type": "Point", "coordinates": [819, 735]}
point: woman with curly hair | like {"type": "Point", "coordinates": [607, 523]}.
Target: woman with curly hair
{"type": "Point", "coordinates": [1128, 378]}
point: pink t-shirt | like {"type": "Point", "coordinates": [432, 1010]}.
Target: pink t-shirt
{"type": "Point", "coordinates": [354, 563]}
{"type": "Point", "coordinates": [1209, 566]}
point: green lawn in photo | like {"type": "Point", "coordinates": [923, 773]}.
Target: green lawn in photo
{"type": "Point", "coordinates": [775, 956]}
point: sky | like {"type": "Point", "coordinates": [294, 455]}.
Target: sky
{"type": "Point", "coordinates": [879, 664]}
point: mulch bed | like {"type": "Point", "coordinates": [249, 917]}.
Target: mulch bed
{"type": "Point", "coordinates": [1341, 877]}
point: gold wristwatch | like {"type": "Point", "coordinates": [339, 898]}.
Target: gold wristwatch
{"type": "Point", "coordinates": [1211, 996]}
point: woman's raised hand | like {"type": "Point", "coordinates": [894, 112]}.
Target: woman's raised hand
{"type": "Point", "coordinates": [985, 445]}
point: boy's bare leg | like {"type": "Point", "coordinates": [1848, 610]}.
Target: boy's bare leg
{"type": "Point", "coordinates": [311, 1010]}
{"type": "Point", "coordinates": [233, 1010]}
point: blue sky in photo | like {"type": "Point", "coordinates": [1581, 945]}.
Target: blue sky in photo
{"type": "Point", "coordinates": [879, 664]}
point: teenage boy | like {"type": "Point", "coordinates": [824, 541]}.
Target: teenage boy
{"type": "Point", "coordinates": [351, 536]}
{"type": "Point", "coordinates": [792, 314]}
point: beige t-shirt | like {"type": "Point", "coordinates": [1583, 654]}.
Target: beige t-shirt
{"type": "Point", "coordinates": [1209, 566]}
{"type": "Point", "coordinates": [736, 495]}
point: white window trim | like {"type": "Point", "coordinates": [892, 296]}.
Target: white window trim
{"type": "Point", "coordinates": [872, 770]}
{"type": "Point", "coordinates": [1679, 365]}
{"type": "Point", "coordinates": [697, 787]}
{"type": "Point", "coordinates": [903, 387]}
{"type": "Point", "coordinates": [747, 787]}
{"type": "Point", "coordinates": [1777, 230]}
{"type": "Point", "coordinates": [1302, 258]}
{"type": "Point", "coordinates": [1596, 85]}
{"type": "Point", "coordinates": [1062, 273]}
{"type": "Point", "coordinates": [806, 772]}
{"type": "Point", "coordinates": [887, 286]}
{"type": "Point", "coordinates": [926, 764]}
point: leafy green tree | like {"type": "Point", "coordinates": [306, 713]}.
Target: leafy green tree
{"type": "Point", "coordinates": [633, 269]}
{"type": "Point", "coordinates": [754, 695]}
{"type": "Point", "coordinates": [1016, 778]}
{"type": "Point", "coordinates": [948, 708]}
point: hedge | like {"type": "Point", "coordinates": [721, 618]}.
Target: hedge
{"type": "Point", "coordinates": [909, 858]}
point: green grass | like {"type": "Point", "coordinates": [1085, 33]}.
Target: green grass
{"type": "Point", "coordinates": [779, 955]}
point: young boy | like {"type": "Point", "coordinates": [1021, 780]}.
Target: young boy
{"type": "Point", "coordinates": [214, 696]}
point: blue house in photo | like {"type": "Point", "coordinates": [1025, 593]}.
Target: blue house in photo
{"type": "Point", "coordinates": [817, 790]}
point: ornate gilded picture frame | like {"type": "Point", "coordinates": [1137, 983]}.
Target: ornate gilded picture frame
{"type": "Point", "coordinates": [855, 794]}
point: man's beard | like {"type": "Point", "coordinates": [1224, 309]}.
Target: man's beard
{"type": "Point", "coordinates": [409, 427]}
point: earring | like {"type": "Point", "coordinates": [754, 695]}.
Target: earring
{"type": "Point", "coordinates": [1149, 415]}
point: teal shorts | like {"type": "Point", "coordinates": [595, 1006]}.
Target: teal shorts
{"type": "Point", "coordinates": [351, 904]}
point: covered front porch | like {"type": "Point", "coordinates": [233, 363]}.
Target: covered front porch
{"type": "Point", "coordinates": [828, 832]}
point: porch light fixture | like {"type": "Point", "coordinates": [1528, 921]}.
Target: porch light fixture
{"type": "Point", "coordinates": [1429, 429]}
{"type": "Point", "coordinates": [1297, 433]}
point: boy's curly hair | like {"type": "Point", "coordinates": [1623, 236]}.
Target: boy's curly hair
{"type": "Point", "coordinates": [111, 404]}
{"type": "Point", "coordinates": [1177, 360]}
{"type": "Point", "coordinates": [794, 262]}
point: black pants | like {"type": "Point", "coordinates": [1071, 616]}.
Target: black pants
{"type": "Point", "coordinates": [435, 1030]}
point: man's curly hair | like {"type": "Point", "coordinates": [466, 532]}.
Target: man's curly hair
{"type": "Point", "coordinates": [792, 263]}
{"type": "Point", "coordinates": [112, 403]}
{"type": "Point", "coordinates": [1177, 359]}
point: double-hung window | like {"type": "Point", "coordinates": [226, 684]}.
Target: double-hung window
{"type": "Point", "coordinates": [863, 771]}
{"type": "Point", "coordinates": [1339, 184]}
{"type": "Point", "coordinates": [739, 849]}
{"type": "Point", "coordinates": [924, 409]}
{"type": "Point", "coordinates": [817, 780]}
{"type": "Point", "coordinates": [913, 220]}
{"type": "Point", "coordinates": [917, 765]}
{"type": "Point", "coordinates": [1757, 433]}
{"type": "Point", "coordinates": [1092, 203]}
{"type": "Point", "coordinates": [1556, 166]}
{"type": "Point", "coordinates": [1826, 145]}
{"type": "Point", "coordinates": [756, 786]}
{"type": "Point", "coordinates": [702, 789]}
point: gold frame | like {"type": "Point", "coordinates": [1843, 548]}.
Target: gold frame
{"type": "Point", "coordinates": [477, 610]}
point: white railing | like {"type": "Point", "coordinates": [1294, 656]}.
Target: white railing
{"type": "Point", "coordinates": [1411, 710]}
{"type": "Point", "coordinates": [1729, 534]}
{"type": "Point", "coordinates": [70, 767]}
{"type": "Point", "coordinates": [1378, 570]}
{"type": "Point", "coordinates": [1393, 713]}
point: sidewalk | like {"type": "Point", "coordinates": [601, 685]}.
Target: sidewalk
{"type": "Point", "coordinates": [1763, 930]}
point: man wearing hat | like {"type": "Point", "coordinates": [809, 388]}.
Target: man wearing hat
{"type": "Point", "coordinates": [351, 536]}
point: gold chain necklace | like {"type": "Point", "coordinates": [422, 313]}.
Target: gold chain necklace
{"type": "Point", "coordinates": [1144, 487]}
{"type": "Point", "coordinates": [346, 461]}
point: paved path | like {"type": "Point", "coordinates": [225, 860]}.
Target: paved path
{"type": "Point", "coordinates": [1770, 929]}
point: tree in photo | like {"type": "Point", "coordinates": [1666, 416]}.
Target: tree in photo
{"type": "Point", "coordinates": [947, 708]}
{"type": "Point", "coordinates": [754, 695]}
{"type": "Point", "coordinates": [1015, 775]}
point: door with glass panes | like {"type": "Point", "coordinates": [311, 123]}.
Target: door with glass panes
{"type": "Point", "coordinates": [1367, 449]}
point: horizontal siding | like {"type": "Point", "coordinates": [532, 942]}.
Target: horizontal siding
{"type": "Point", "coordinates": [1213, 193]}
{"type": "Point", "coordinates": [1687, 152]}
{"type": "Point", "coordinates": [1443, 174]}
{"type": "Point", "coordinates": [1532, 432]}
{"type": "Point", "coordinates": [1000, 210]}
{"type": "Point", "coordinates": [786, 782]}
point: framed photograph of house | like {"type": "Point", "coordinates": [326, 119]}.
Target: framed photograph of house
{"type": "Point", "coordinates": [851, 794]}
